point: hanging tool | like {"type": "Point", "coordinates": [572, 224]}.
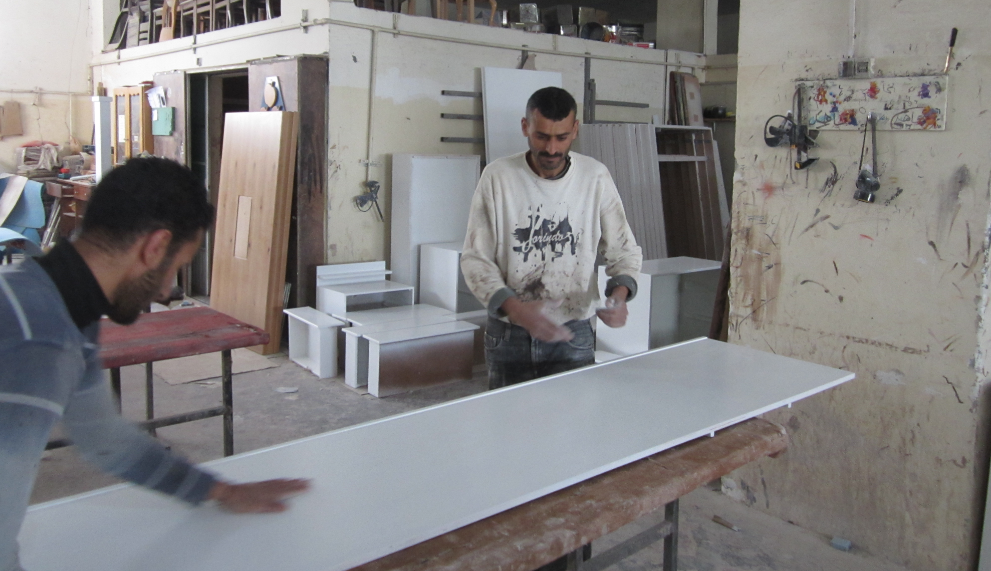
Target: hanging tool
{"type": "Point", "coordinates": [779, 136]}
{"type": "Point", "coordinates": [949, 52]}
{"type": "Point", "coordinates": [365, 201]}
{"type": "Point", "coordinates": [793, 132]}
{"type": "Point", "coordinates": [867, 180]}
{"type": "Point", "coordinates": [804, 138]}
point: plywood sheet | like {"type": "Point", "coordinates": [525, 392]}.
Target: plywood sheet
{"type": "Point", "coordinates": [504, 96]}
{"type": "Point", "coordinates": [430, 471]}
{"type": "Point", "coordinates": [257, 169]}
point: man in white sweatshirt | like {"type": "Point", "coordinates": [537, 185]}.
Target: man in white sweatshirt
{"type": "Point", "coordinates": [539, 220]}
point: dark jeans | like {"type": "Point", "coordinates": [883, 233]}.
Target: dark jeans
{"type": "Point", "coordinates": [514, 357]}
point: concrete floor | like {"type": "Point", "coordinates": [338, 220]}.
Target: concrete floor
{"type": "Point", "coordinates": [264, 417]}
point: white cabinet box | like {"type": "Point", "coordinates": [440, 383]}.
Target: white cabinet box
{"type": "Point", "coordinates": [674, 303]}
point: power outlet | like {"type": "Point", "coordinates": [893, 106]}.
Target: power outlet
{"type": "Point", "coordinates": [856, 68]}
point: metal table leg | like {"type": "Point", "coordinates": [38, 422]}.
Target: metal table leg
{"type": "Point", "coordinates": [228, 396]}
{"type": "Point", "coordinates": [671, 541]}
{"type": "Point", "coordinates": [115, 384]}
{"type": "Point", "coordinates": [149, 396]}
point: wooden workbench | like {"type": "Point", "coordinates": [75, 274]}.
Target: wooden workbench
{"type": "Point", "coordinates": [538, 532]}
{"type": "Point", "coordinates": [172, 334]}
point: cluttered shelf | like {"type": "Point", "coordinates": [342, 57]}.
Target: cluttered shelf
{"type": "Point", "coordinates": [562, 19]}
{"type": "Point", "coordinates": [142, 22]}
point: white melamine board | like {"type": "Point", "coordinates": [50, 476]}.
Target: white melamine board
{"type": "Point", "coordinates": [393, 314]}
{"type": "Point", "coordinates": [429, 471]}
{"type": "Point", "coordinates": [351, 273]}
{"type": "Point", "coordinates": [504, 96]}
{"type": "Point", "coordinates": [384, 337]}
{"type": "Point", "coordinates": [431, 198]}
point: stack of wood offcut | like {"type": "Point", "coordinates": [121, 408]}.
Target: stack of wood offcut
{"type": "Point", "coordinates": [685, 100]}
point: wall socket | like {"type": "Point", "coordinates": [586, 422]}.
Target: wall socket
{"type": "Point", "coordinates": [856, 68]}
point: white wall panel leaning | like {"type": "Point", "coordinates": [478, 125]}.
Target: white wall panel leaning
{"type": "Point", "coordinates": [431, 197]}
{"type": "Point", "coordinates": [430, 471]}
{"type": "Point", "coordinates": [504, 96]}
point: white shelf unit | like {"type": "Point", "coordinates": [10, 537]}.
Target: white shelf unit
{"type": "Point", "coordinates": [441, 281]}
{"type": "Point", "coordinates": [343, 298]}
{"type": "Point", "coordinates": [403, 360]}
{"type": "Point", "coordinates": [674, 303]}
{"type": "Point", "coordinates": [386, 319]}
{"type": "Point", "coordinates": [313, 340]}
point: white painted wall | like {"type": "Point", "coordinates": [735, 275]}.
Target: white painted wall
{"type": "Point", "coordinates": [895, 461]}
{"type": "Point", "coordinates": [46, 47]}
{"type": "Point", "coordinates": [392, 68]}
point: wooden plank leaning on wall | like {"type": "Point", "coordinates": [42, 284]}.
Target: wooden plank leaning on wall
{"type": "Point", "coordinates": [253, 211]}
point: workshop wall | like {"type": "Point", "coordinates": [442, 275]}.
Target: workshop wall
{"type": "Point", "coordinates": [48, 76]}
{"type": "Point", "coordinates": [895, 291]}
{"type": "Point", "coordinates": [386, 76]}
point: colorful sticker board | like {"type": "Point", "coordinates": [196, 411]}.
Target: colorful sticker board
{"type": "Point", "coordinates": [900, 103]}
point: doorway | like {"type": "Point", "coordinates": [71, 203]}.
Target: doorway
{"type": "Point", "coordinates": [211, 96]}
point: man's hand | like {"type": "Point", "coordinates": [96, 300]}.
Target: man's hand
{"type": "Point", "coordinates": [257, 497]}
{"type": "Point", "coordinates": [615, 312]}
{"type": "Point", "coordinates": [531, 316]}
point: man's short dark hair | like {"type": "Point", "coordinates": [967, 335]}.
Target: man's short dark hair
{"type": "Point", "coordinates": [144, 195]}
{"type": "Point", "coordinates": [553, 103]}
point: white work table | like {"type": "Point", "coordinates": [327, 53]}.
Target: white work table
{"type": "Point", "coordinates": [428, 472]}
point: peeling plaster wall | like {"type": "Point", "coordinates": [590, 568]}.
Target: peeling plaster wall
{"type": "Point", "coordinates": [48, 76]}
{"type": "Point", "coordinates": [386, 76]}
{"type": "Point", "coordinates": [895, 291]}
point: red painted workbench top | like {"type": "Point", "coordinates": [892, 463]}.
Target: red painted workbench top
{"type": "Point", "coordinates": [176, 333]}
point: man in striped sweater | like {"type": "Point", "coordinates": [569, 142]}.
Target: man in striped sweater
{"type": "Point", "coordinates": [144, 221]}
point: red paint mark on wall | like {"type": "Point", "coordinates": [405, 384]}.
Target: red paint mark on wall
{"type": "Point", "coordinates": [768, 189]}
{"type": "Point", "coordinates": [866, 236]}
{"type": "Point", "coordinates": [873, 91]}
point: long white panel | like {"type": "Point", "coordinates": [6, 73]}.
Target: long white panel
{"type": "Point", "coordinates": [504, 96]}
{"type": "Point", "coordinates": [430, 471]}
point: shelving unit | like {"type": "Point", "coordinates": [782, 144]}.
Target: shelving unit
{"type": "Point", "coordinates": [132, 123]}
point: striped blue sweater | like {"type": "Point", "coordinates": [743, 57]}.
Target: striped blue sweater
{"type": "Point", "coordinates": [50, 371]}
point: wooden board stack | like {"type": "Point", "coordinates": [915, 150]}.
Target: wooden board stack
{"type": "Point", "coordinates": [630, 153]}
{"type": "Point", "coordinates": [253, 210]}
{"type": "Point", "coordinates": [670, 183]}
{"type": "Point", "coordinates": [694, 199]}
{"type": "Point", "coordinates": [686, 100]}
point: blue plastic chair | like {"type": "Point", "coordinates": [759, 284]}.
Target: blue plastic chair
{"type": "Point", "coordinates": [25, 221]}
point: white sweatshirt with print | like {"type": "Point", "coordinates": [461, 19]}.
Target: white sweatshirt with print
{"type": "Point", "coordinates": [539, 239]}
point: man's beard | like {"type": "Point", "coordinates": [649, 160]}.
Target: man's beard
{"type": "Point", "coordinates": [132, 297]}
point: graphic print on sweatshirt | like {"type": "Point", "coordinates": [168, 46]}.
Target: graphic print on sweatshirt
{"type": "Point", "coordinates": [549, 236]}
